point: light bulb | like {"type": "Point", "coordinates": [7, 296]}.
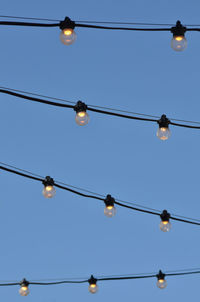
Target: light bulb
{"type": "Point", "coordinates": [110, 211]}
{"type": "Point", "coordinates": [165, 226]}
{"type": "Point", "coordinates": [178, 43]}
{"type": "Point", "coordinates": [93, 288]}
{"type": "Point", "coordinates": [161, 283]}
{"type": "Point", "coordinates": [68, 36]}
{"type": "Point", "coordinates": [24, 291]}
{"type": "Point", "coordinates": [163, 133]}
{"type": "Point", "coordinates": [49, 191]}
{"type": "Point", "coordinates": [82, 118]}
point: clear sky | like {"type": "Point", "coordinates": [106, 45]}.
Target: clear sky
{"type": "Point", "coordinates": [69, 236]}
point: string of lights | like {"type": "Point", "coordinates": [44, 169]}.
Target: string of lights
{"type": "Point", "coordinates": [82, 117]}
{"type": "Point", "coordinates": [95, 106]}
{"type": "Point", "coordinates": [68, 35]}
{"type": "Point", "coordinates": [110, 202]}
{"type": "Point", "coordinates": [92, 281]}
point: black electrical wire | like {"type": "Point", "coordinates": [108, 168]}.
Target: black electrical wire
{"type": "Point", "coordinates": [29, 18]}
{"type": "Point", "coordinates": [95, 106]}
{"type": "Point", "coordinates": [29, 24]}
{"type": "Point", "coordinates": [39, 100]}
{"type": "Point", "coordinates": [89, 25]}
{"type": "Point", "coordinates": [105, 278]}
{"type": "Point", "coordinates": [127, 23]}
{"type": "Point", "coordinates": [142, 210]}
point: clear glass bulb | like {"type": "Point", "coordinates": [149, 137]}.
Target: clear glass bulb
{"type": "Point", "coordinates": [68, 36]}
{"type": "Point", "coordinates": [163, 133]}
{"type": "Point", "coordinates": [24, 291]}
{"type": "Point", "coordinates": [93, 288]}
{"type": "Point", "coordinates": [165, 226]}
{"type": "Point", "coordinates": [49, 191]}
{"type": "Point", "coordinates": [161, 283]}
{"type": "Point", "coordinates": [178, 43]}
{"type": "Point", "coordinates": [110, 211]}
{"type": "Point", "coordinates": [82, 118]}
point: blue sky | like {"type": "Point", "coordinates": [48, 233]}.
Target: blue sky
{"type": "Point", "coordinates": [69, 236]}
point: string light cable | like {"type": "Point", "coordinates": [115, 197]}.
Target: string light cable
{"type": "Point", "coordinates": [82, 117]}
{"type": "Point", "coordinates": [92, 281]}
{"type": "Point", "coordinates": [68, 35]}
{"type": "Point", "coordinates": [109, 201]}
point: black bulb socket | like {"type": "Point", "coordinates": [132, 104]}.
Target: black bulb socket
{"type": "Point", "coordinates": [163, 122]}
{"type": "Point", "coordinates": [48, 181]}
{"type": "Point", "coordinates": [24, 283]}
{"type": "Point", "coordinates": [109, 201]}
{"type": "Point", "coordinates": [178, 30]}
{"type": "Point", "coordinates": [80, 106]}
{"type": "Point", "coordinates": [160, 275]}
{"type": "Point", "coordinates": [165, 216]}
{"type": "Point", "coordinates": [67, 23]}
{"type": "Point", "coordinates": [92, 280]}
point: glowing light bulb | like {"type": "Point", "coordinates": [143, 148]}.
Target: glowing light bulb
{"type": "Point", "coordinates": [161, 283]}
{"type": "Point", "coordinates": [163, 132]}
{"type": "Point", "coordinates": [68, 36]}
{"type": "Point", "coordinates": [109, 209]}
{"type": "Point", "coordinates": [82, 118]}
{"type": "Point", "coordinates": [49, 190]}
{"type": "Point", "coordinates": [93, 287]}
{"type": "Point", "coordinates": [24, 290]}
{"type": "Point", "coordinates": [165, 224]}
{"type": "Point", "coordinates": [178, 43]}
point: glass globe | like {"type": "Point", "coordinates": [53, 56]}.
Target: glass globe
{"type": "Point", "coordinates": [165, 226]}
{"type": "Point", "coordinates": [24, 291]}
{"type": "Point", "coordinates": [82, 118]}
{"type": "Point", "coordinates": [49, 191]}
{"type": "Point", "coordinates": [68, 36]}
{"type": "Point", "coordinates": [110, 211]}
{"type": "Point", "coordinates": [161, 283]}
{"type": "Point", "coordinates": [93, 288]}
{"type": "Point", "coordinates": [178, 43]}
{"type": "Point", "coordinates": [163, 133]}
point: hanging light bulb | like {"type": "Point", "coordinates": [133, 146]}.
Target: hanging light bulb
{"type": "Point", "coordinates": [161, 283]}
{"type": "Point", "coordinates": [163, 132]}
{"type": "Point", "coordinates": [178, 42]}
{"type": "Point", "coordinates": [67, 35]}
{"type": "Point", "coordinates": [93, 287]}
{"type": "Point", "coordinates": [24, 291]}
{"type": "Point", "coordinates": [82, 118]}
{"type": "Point", "coordinates": [49, 190]}
{"type": "Point", "coordinates": [165, 224]}
{"type": "Point", "coordinates": [109, 209]}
